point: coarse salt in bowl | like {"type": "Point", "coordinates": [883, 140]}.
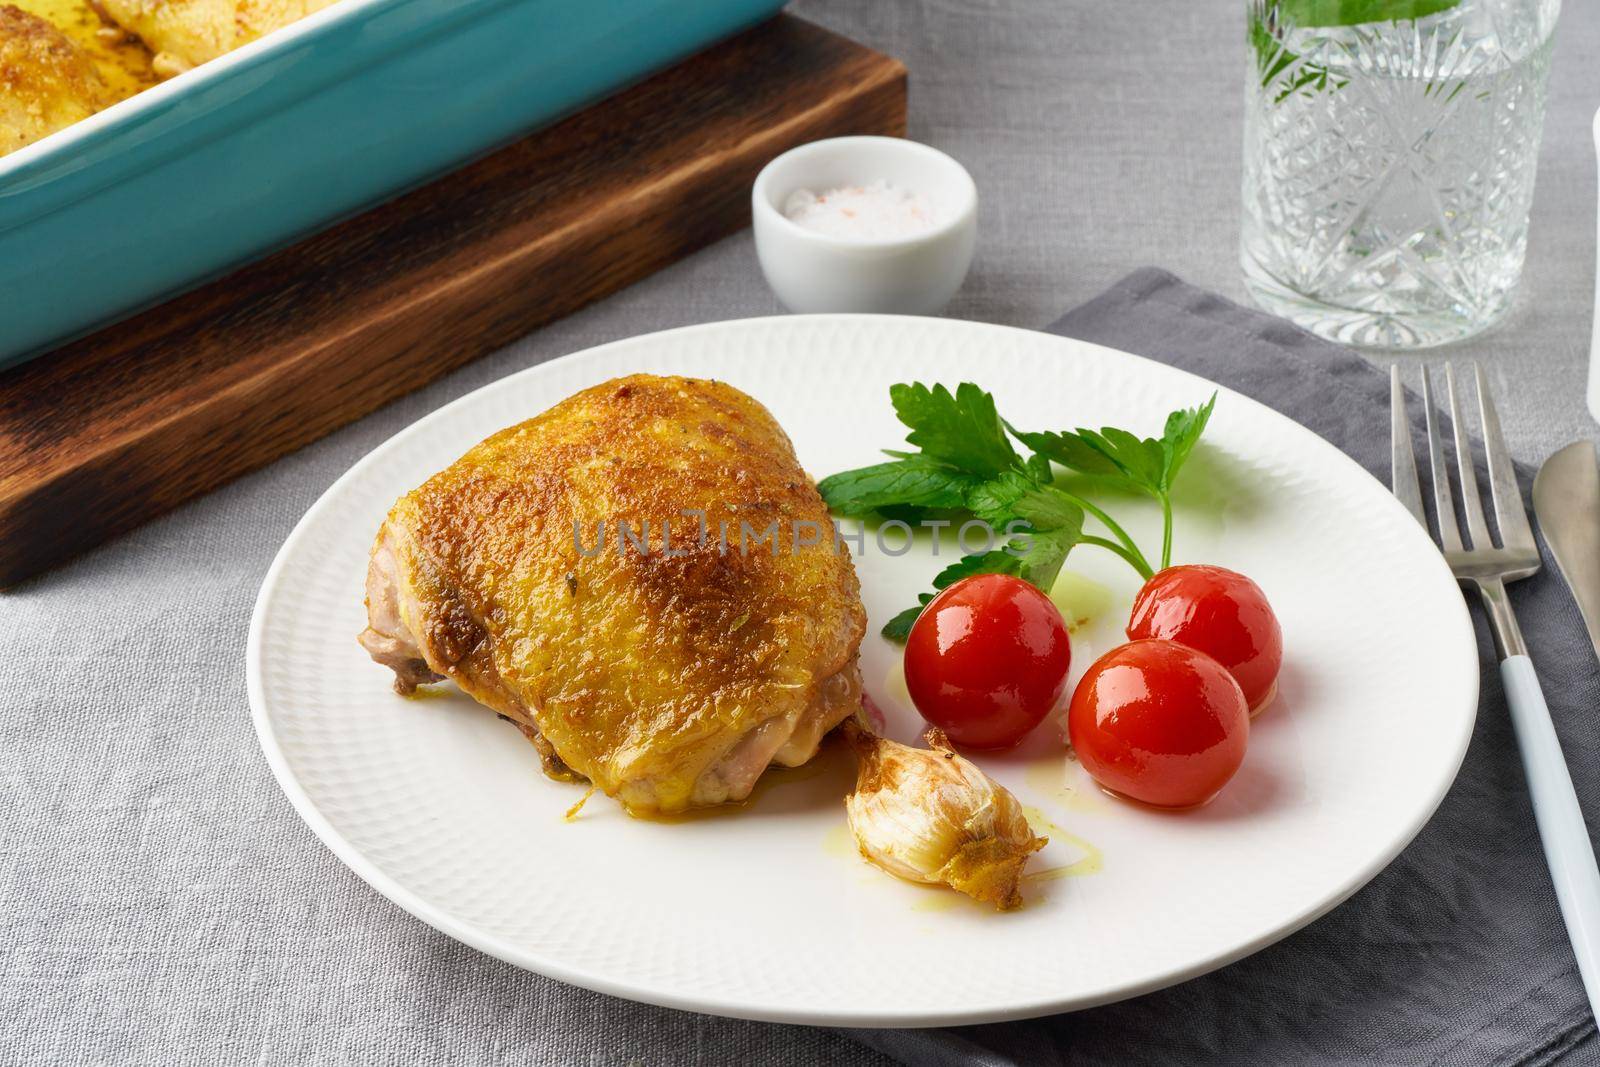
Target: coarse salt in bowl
{"type": "Point", "coordinates": [866, 224]}
{"type": "Point", "coordinates": [881, 211]}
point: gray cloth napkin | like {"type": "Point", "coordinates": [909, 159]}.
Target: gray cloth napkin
{"type": "Point", "coordinates": [1456, 953]}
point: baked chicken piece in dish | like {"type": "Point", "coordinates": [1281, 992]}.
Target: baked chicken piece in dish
{"type": "Point", "coordinates": [186, 33]}
{"type": "Point", "coordinates": [46, 81]}
{"type": "Point", "coordinates": [669, 666]}
{"type": "Point", "coordinates": [63, 60]}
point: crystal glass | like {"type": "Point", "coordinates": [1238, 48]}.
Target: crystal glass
{"type": "Point", "coordinates": [1389, 157]}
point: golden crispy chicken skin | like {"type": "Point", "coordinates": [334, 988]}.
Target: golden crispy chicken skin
{"type": "Point", "coordinates": [46, 81]}
{"type": "Point", "coordinates": [186, 33]}
{"type": "Point", "coordinates": [669, 675]}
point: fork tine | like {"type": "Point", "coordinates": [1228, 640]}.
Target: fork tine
{"type": "Point", "coordinates": [1443, 501]}
{"type": "Point", "coordinates": [1403, 458]}
{"type": "Point", "coordinates": [1509, 514]}
{"type": "Point", "coordinates": [1471, 503]}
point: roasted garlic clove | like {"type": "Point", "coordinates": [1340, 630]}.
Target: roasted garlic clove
{"type": "Point", "coordinates": [928, 815]}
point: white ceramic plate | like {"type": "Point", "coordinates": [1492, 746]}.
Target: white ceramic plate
{"type": "Point", "coordinates": [767, 912]}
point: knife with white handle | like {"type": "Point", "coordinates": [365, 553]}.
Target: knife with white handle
{"type": "Point", "coordinates": [1566, 498]}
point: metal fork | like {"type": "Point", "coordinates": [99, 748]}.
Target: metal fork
{"type": "Point", "coordinates": [1480, 562]}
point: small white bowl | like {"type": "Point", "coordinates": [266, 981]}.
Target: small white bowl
{"type": "Point", "coordinates": [815, 272]}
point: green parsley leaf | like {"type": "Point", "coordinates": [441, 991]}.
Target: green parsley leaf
{"type": "Point", "coordinates": [960, 430]}
{"type": "Point", "coordinates": [1039, 469]}
{"type": "Point", "coordinates": [997, 561]}
{"type": "Point", "coordinates": [1051, 524]}
{"type": "Point", "coordinates": [1178, 439]}
{"type": "Point", "coordinates": [898, 628]}
{"type": "Point", "coordinates": [1067, 450]}
{"type": "Point", "coordinates": [993, 501]}
{"type": "Point", "coordinates": [966, 463]}
{"type": "Point", "coordinates": [1147, 464]}
{"type": "Point", "coordinates": [1137, 459]}
{"type": "Point", "coordinates": [912, 515]}
{"type": "Point", "coordinates": [1143, 463]}
{"type": "Point", "coordinates": [915, 481]}
{"type": "Point", "coordinates": [1033, 556]}
{"type": "Point", "coordinates": [1051, 511]}
{"type": "Point", "coordinates": [1043, 554]}
{"type": "Point", "coordinates": [1014, 496]}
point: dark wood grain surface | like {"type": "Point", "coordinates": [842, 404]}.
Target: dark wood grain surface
{"type": "Point", "coordinates": [131, 421]}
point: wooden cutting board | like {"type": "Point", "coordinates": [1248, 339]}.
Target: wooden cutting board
{"type": "Point", "coordinates": [131, 421]}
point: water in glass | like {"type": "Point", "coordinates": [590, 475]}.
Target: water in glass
{"type": "Point", "coordinates": [1389, 165]}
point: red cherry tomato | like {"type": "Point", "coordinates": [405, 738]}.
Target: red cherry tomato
{"type": "Point", "coordinates": [987, 659]}
{"type": "Point", "coordinates": [1159, 722]}
{"type": "Point", "coordinates": [1221, 613]}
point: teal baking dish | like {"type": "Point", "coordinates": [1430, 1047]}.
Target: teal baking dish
{"type": "Point", "coordinates": [316, 121]}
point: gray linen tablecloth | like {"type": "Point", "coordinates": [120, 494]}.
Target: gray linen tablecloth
{"type": "Point", "coordinates": [159, 901]}
{"type": "Point", "coordinates": [1455, 954]}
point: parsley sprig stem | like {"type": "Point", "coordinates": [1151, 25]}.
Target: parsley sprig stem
{"type": "Point", "coordinates": [1132, 556]}
{"type": "Point", "coordinates": [1124, 545]}
{"type": "Point", "coordinates": [1166, 532]}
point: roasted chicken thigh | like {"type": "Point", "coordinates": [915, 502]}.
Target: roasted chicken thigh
{"type": "Point", "coordinates": [643, 579]}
